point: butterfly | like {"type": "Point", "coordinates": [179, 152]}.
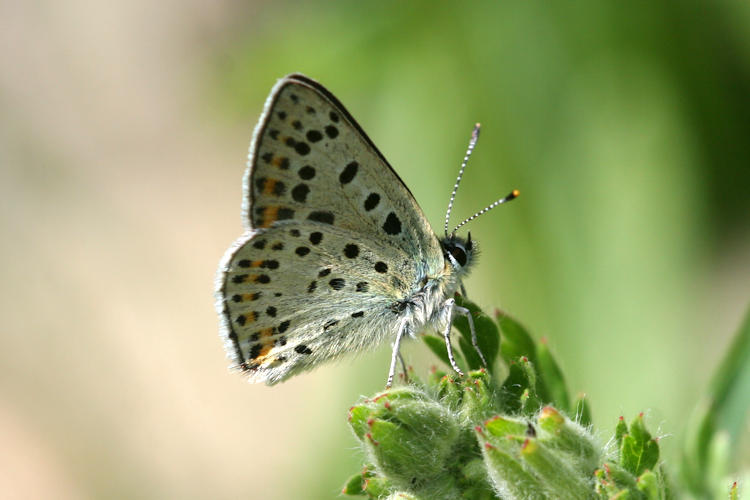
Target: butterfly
{"type": "Point", "coordinates": [337, 256]}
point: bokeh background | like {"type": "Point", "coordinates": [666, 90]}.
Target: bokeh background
{"type": "Point", "coordinates": [123, 133]}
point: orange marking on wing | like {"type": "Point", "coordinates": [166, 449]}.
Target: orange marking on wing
{"type": "Point", "coordinates": [270, 215]}
{"type": "Point", "coordinates": [269, 186]}
{"type": "Point", "coordinates": [280, 161]}
{"type": "Point", "coordinates": [264, 351]}
{"type": "Point", "coordinates": [250, 296]}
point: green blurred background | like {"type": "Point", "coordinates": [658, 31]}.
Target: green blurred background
{"type": "Point", "coordinates": [123, 134]}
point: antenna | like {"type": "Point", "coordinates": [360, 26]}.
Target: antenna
{"type": "Point", "coordinates": [472, 143]}
{"type": "Point", "coordinates": [512, 195]}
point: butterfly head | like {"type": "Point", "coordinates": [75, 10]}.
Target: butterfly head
{"type": "Point", "coordinates": [459, 252]}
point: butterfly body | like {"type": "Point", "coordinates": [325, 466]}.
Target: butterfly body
{"type": "Point", "coordinates": [337, 257]}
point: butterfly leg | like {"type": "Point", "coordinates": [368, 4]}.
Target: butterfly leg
{"type": "Point", "coordinates": [403, 367]}
{"type": "Point", "coordinates": [395, 355]}
{"type": "Point", "coordinates": [448, 307]}
{"type": "Point", "coordinates": [465, 312]}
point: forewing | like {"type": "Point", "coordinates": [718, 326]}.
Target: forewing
{"type": "Point", "coordinates": [301, 293]}
{"type": "Point", "coordinates": [310, 160]}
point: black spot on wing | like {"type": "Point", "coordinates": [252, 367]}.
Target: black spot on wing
{"type": "Point", "coordinates": [303, 349]}
{"type": "Point", "coordinates": [392, 224]}
{"type": "Point", "coordinates": [351, 250]}
{"type": "Point", "coordinates": [313, 135]}
{"type": "Point", "coordinates": [306, 173]}
{"type": "Point", "coordinates": [372, 201]}
{"type": "Point", "coordinates": [321, 216]}
{"type": "Point", "coordinates": [300, 192]}
{"type": "Point", "coordinates": [331, 131]}
{"type": "Point", "coordinates": [347, 175]}
{"type": "Point", "coordinates": [337, 283]}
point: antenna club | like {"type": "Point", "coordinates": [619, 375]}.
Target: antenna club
{"type": "Point", "coordinates": [515, 193]}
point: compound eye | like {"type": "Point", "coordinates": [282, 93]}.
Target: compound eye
{"type": "Point", "coordinates": [459, 254]}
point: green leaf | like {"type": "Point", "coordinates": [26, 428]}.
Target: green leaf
{"type": "Point", "coordinates": [509, 477]}
{"type": "Point", "coordinates": [621, 430]}
{"type": "Point", "coordinates": [648, 484]}
{"type": "Point", "coordinates": [516, 341]}
{"type": "Point", "coordinates": [488, 335]}
{"type": "Point", "coordinates": [355, 486]}
{"type": "Point", "coordinates": [549, 372]}
{"type": "Point", "coordinates": [582, 411]}
{"type": "Point", "coordinates": [639, 451]}
{"type": "Point", "coordinates": [724, 409]}
{"type": "Point", "coordinates": [520, 378]}
{"type": "Point", "coordinates": [557, 475]}
{"type": "Point", "coordinates": [731, 384]}
{"type": "Point", "coordinates": [437, 346]}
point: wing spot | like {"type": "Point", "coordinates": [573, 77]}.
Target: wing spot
{"type": "Point", "coordinates": [269, 215]}
{"type": "Point", "coordinates": [283, 326]}
{"type": "Point", "coordinates": [363, 286]}
{"type": "Point", "coordinates": [351, 251]}
{"type": "Point", "coordinates": [294, 98]}
{"type": "Point", "coordinates": [267, 157]}
{"type": "Point", "coordinates": [240, 278]}
{"type": "Point", "coordinates": [392, 224]}
{"type": "Point", "coordinates": [270, 186]}
{"type": "Point", "coordinates": [321, 216]}
{"type": "Point", "coordinates": [277, 246]}
{"type": "Point", "coordinates": [282, 162]}
{"type": "Point", "coordinates": [302, 349]}
{"type": "Point", "coordinates": [331, 131]}
{"type": "Point", "coordinates": [347, 175]}
{"type": "Point", "coordinates": [329, 324]}
{"type": "Point", "coordinates": [337, 283]}
{"type": "Point", "coordinates": [381, 267]}
{"type": "Point", "coordinates": [324, 272]}
{"type": "Point", "coordinates": [300, 192]}
{"type": "Point", "coordinates": [302, 251]}
{"type": "Point", "coordinates": [271, 311]}
{"type": "Point", "coordinates": [334, 117]}
{"type": "Point", "coordinates": [372, 201]}
{"type": "Point", "coordinates": [306, 173]}
{"type": "Point", "coordinates": [273, 133]}
{"type": "Point", "coordinates": [302, 148]}
{"type": "Point", "coordinates": [297, 125]}
{"type": "Point", "coordinates": [313, 135]}
{"type": "Point", "coordinates": [281, 115]}
{"type": "Point", "coordinates": [312, 286]}
{"type": "Point", "coordinates": [358, 314]}
{"type": "Point", "coordinates": [259, 244]}
{"type": "Point", "coordinates": [316, 237]}
{"type": "Point", "coordinates": [261, 278]}
{"type": "Point", "coordinates": [310, 110]}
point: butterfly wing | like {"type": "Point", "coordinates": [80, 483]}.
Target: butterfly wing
{"type": "Point", "coordinates": [301, 293]}
{"type": "Point", "coordinates": [334, 239]}
{"type": "Point", "coordinates": [309, 160]}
